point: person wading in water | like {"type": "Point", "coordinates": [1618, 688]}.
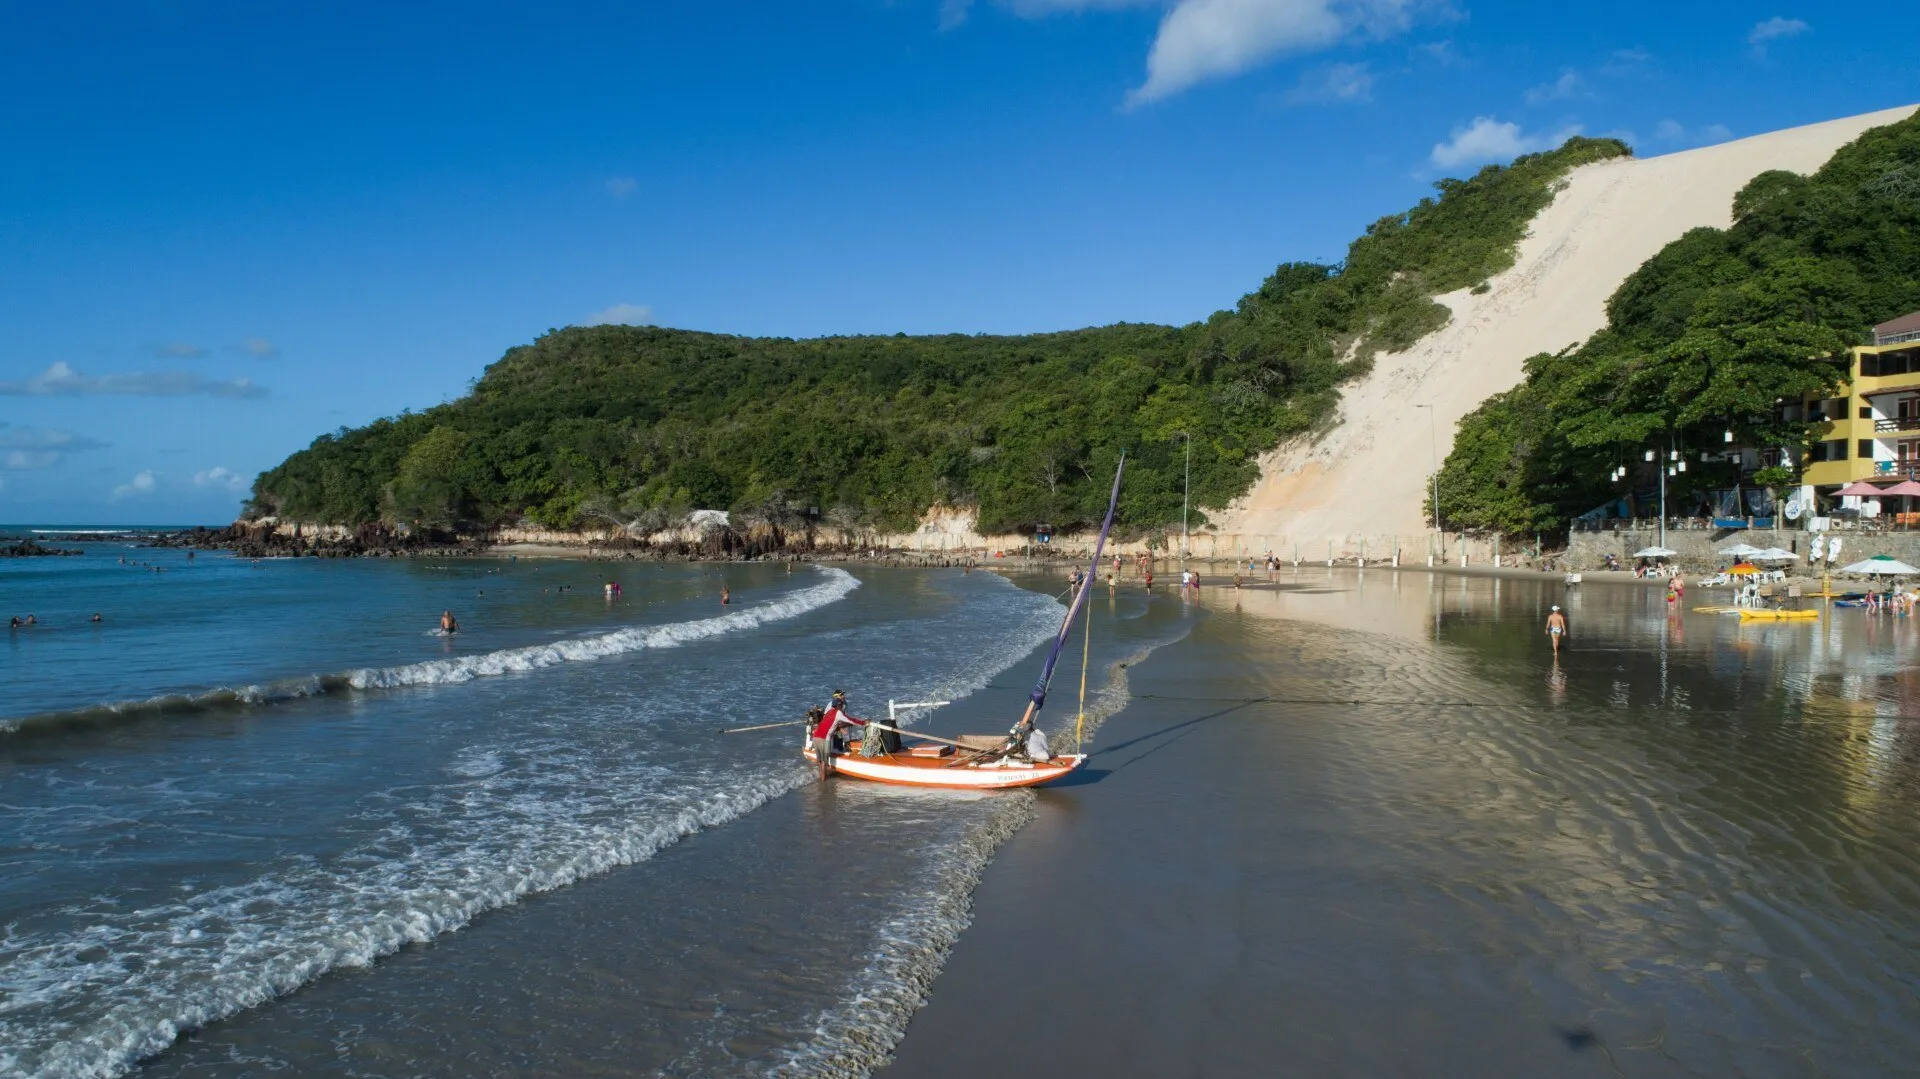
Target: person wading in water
{"type": "Point", "coordinates": [826, 730]}
{"type": "Point", "coordinates": [1556, 628]}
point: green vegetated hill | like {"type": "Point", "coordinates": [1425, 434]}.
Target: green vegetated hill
{"type": "Point", "coordinates": [640, 424]}
{"type": "Point", "coordinates": [1707, 335]}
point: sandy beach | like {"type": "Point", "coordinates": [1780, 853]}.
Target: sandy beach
{"type": "Point", "coordinates": [1366, 826]}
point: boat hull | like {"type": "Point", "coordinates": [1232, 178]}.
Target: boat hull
{"type": "Point", "coordinates": [907, 770]}
{"type": "Point", "coordinates": [1778, 616]}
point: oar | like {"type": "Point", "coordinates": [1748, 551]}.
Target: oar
{"type": "Point", "coordinates": [763, 726]}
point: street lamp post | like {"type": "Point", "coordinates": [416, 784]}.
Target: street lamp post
{"type": "Point", "coordinates": [1664, 466]}
{"type": "Point", "coordinates": [1186, 486]}
{"type": "Point", "coordinates": [1663, 462]}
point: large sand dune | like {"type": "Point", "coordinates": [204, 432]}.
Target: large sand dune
{"type": "Point", "coordinates": [1363, 479]}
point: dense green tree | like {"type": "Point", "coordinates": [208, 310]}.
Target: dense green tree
{"type": "Point", "coordinates": [641, 424]}
{"type": "Point", "coordinates": [1712, 333]}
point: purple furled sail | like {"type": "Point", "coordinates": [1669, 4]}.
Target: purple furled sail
{"type": "Point", "coordinates": [1046, 674]}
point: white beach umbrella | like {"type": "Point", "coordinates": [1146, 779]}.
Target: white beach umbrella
{"type": "Point", "coordinates": [1654, 552]}
{"type": "Point", "coordinates": [1740, 550]}
{"type": "Point", "coordinates": [1776, 554]}
{"type": "Point", "coordinates": [1884, 565]}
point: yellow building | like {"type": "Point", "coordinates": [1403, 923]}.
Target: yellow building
{"type": "Point", "coordinates": [1873, 433]}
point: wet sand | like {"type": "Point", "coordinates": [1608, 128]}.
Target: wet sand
{"type": "Point", "coordinates": [1686, 849]}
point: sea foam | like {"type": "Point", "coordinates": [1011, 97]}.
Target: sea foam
{"type": "Point", "coordinates": [838, 584]}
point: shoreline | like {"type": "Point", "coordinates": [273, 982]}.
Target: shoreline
{"type": "Point", "coordinates": [736, 549]}
{"type": "Point", "coordinates": [1347, 849]}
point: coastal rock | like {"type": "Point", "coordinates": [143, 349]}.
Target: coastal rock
{"type": "Point", "coordinates": [29, 549]}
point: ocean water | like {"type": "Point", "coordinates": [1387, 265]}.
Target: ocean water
{"type": "Point", "coordinates": [263, 817]}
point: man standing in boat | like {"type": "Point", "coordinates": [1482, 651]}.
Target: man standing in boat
{"type": "Point", "coordinates": [827, 732]}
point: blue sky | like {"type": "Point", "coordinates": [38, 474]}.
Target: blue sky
{"type": "Point", "coordinates": [227, 228]}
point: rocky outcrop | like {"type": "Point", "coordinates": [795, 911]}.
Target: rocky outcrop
{"type": "Point", "coordinates": [29, 549]}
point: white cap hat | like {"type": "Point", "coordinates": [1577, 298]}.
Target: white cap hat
{"type": "Point", "coordinates": [1556, 606]}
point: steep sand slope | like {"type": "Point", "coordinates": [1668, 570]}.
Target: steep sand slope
{"type": "Point", "coordinates": [1365, 477]}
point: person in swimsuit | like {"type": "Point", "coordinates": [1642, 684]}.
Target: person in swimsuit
{"type": "Point", "coordinates": [448, 624]}
{"type": "Point", "coordinates": [726, 597]}
{"type": "Point", "coordinates": [1556, 628]}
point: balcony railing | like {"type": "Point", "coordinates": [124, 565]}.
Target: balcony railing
{"type": "Point", "coordinates": [1903, 423]}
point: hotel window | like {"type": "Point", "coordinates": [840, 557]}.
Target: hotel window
{"type": "Point", "coordinates": [1864, 450]}
{"type": "Point", "coordinates": [1866, 412]}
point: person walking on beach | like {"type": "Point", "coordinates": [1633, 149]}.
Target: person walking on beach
{"type": "Point", "coordinates": [1556, 628]}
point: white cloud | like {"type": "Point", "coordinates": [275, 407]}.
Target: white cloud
{"type": "Point", "coordinates": [622, 187]}
{"type": "Point", "coordinates": [1488, 140]}
{"type": "Point", "coordinates": [220, 477]}
{"type": "Point", "coordinates": [39, 447]}
{"type": "Point", "coordinates": [1334, 82]}
{"type": "Point", "coordinates": [60, 380]}
{"type": "Point", "coordinates": [22, 460]}
{"type": "Point", "coordinates": [178, 350]}
{"type": "Point", "coordinates": [1559, 89]}
{"type": "Point", "coordinates": [142, 483]}
{"type": "Point", "coordinates": [1200, 40]}
{"type": "Point", "coordinates": [1674, 133]}
{"type": "Point", "coordinates": [1624, 62]}
{"type": "Point", "coordinates": [44, 438]}
{"type": "Point", "coordinates": [1773, 30]}
{"type": "Point", "coordinates": [1442, 53]}
{"type": "Point", "coordinates": [622, 314]}
{"type": "Point", "coordinates": [258, 347]}
{"type": "Point", "coordinates": [1209, 39]}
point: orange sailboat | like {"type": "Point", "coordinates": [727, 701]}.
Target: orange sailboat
{"type": "Point", "coordinates": [1019, 758]}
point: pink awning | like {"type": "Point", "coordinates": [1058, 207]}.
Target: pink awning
{"type": "Point", "coordinates": [1862, 488]}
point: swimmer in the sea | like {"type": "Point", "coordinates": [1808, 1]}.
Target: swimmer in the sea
{"type": "Point", "coordinates": [448, 624]}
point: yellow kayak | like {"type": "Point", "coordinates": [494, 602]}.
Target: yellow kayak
{"type": "Point", "coordinates": [1752, 615]}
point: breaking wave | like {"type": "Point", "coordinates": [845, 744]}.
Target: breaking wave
{"type": "Point", "coordinates": [441, 672]}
